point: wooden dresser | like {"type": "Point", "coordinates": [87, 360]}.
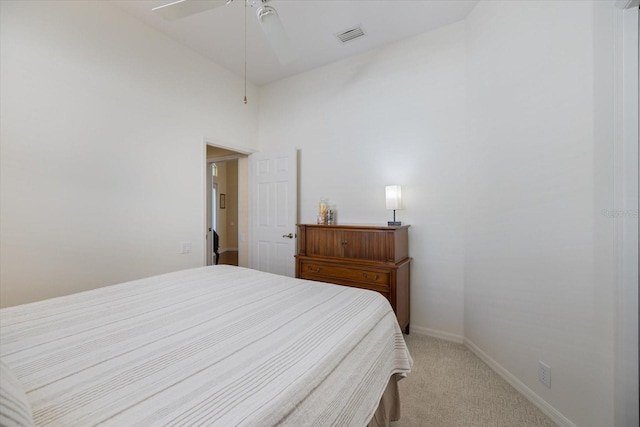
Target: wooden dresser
{"type": "Point", "coordinates": [363, 256]}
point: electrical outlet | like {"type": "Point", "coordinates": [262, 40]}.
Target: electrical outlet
{"type": "Point", "coordinates": [544, 373]}
{"type": "Point", "coordinates": [185, 247]}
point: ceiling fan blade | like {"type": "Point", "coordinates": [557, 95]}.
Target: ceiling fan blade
{"type": "Point", "coordinates": [276, 35]}
{"type": "Point", "coordinates": [183, 8]}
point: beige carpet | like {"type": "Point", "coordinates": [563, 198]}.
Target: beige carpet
{"type": "Point", "coordinates": [449, 386]}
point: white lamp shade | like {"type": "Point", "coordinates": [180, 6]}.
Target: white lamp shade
{"type": "Point", "coordinates": [394, 196]}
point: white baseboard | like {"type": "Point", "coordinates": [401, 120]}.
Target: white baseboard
{"type": "Point", "coordinates": [539, 402]}
{"type": "Point", "coordinates": [419, 330]}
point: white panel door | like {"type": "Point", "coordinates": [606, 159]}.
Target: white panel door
{"type": "Point", "coordinates": [274, 211]}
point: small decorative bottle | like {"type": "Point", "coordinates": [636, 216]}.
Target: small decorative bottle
{"type": "Point", "coordinates": [331, 217]}
{"type": "Point", "coordinates": [322, 212]}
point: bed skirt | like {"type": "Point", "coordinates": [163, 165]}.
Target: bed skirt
{"type": "Point", "coordinates": [389, 407]}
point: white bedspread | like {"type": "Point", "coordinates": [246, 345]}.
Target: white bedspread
{"type": "Point", "coordinates": [214, 345]}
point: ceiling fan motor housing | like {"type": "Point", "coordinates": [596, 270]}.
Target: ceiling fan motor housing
{"type": "Point", "coordinates": [258, 3]}
{"type": "Point", "coordinates": [264, 11]}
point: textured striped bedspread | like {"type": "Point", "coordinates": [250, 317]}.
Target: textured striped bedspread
{"type": "Point", "coordinates": [216, 345]}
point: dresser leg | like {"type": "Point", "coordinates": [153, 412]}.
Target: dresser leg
{"type": "Point", "coordinates": [406, 329]}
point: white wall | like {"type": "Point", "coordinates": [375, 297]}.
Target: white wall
{"type": "Point", "coordinates": [102, 159]}
{"type": "Point", "coordinates": [392, 116]}
{"type": "Point", "coordinates": [539, 253]}
{"type": "Point", "coordinates": [500, 129]}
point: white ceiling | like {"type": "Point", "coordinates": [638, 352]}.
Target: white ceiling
{"type": "Point", "coordinates": [310, 24]}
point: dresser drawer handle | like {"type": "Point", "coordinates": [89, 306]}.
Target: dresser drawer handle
{"type": "Point", "coordinates": [377, 276]}
{"type": "Point", "coordinates": [317, 270]}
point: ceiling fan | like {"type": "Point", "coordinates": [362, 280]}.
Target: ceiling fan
{"type": "Point", "coordinates": [267, 17]}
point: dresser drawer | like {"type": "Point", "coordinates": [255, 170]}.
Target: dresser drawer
{"type": "Point", "coordinates": [352, 274]}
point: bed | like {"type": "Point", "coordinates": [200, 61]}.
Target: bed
{"type": "Point", "coordinates": [216, 345]}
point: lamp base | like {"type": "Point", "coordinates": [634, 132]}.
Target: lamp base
{"type": "Point", "coordinates": [394, 223]}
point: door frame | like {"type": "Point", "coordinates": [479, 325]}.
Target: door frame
{"type": "Point", "coordinates": [212, 216]}
{"type": "Point", "coordinates": [243, 199]}
{"type": "Point", "coordinates": [627, 360]}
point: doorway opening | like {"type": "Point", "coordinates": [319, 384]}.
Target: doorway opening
{"type": "Point", "coordinates": [226, 216]}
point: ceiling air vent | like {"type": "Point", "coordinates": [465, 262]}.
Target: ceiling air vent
{"type": "Point", "coordinates": [350, 34]}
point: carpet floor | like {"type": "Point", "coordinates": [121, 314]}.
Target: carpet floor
{"type": "Point", "coordinates": [449, 386]}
